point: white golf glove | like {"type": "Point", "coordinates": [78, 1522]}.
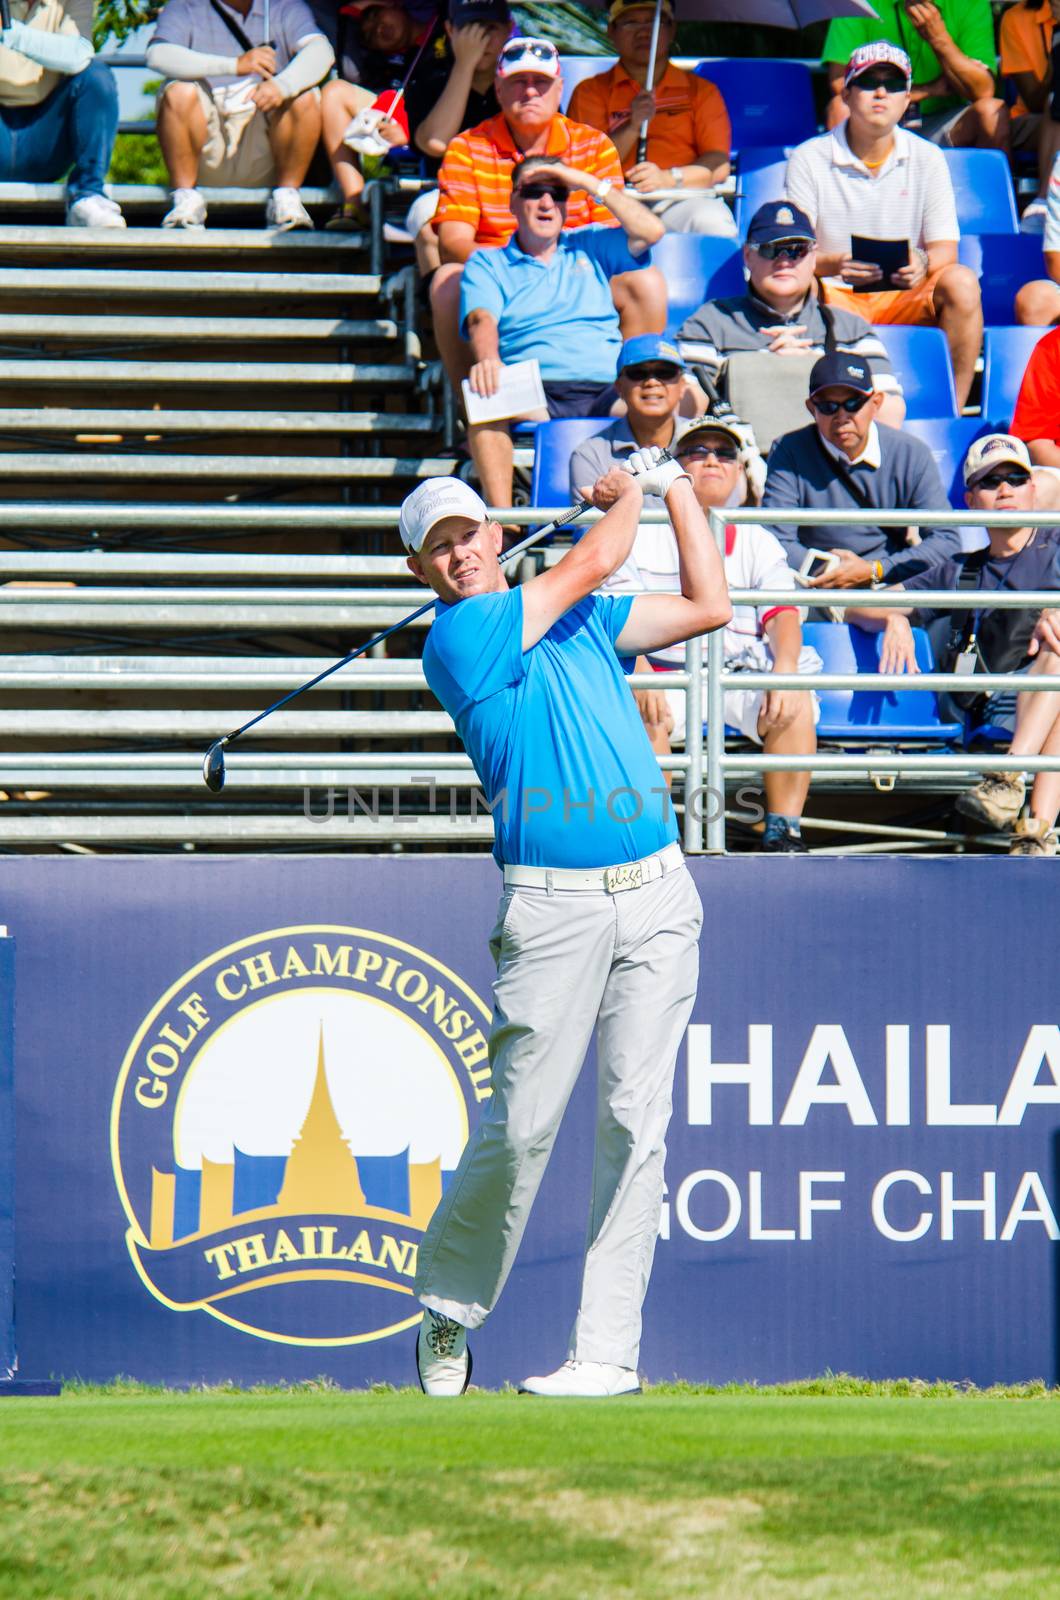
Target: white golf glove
{"type": "Point", "coordinates": [654, 470]}
{"type": "Point", "coordinates": [361, 135]}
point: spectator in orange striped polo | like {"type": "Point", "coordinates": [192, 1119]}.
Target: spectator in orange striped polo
{"type": "Point", "coordinates": [689, 134]}
{"type": "Point", "coordinates": [476, 184]}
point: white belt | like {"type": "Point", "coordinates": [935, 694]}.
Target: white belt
{"type": "Point", "coordinates": [598, 880]}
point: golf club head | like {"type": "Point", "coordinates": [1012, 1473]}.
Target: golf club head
{"type": "Point", "coordinates": [213, 766]}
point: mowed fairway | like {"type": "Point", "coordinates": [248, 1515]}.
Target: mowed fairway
{"type": "Point", "coordinates": [319, 1495]}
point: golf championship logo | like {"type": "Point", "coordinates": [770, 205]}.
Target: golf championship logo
{"type": "Point", "coordinates": [285, 1121]}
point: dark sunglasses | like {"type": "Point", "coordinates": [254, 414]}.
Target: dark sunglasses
{"type": "Point", "coordinates": [1016, 476]}
{"type": "Point", "coordinates": [721, 452]}
{"type": "Point", "coordinates": [537, 49]}
{"type": "Point", "coordinates": [791, 249]}
{"type": "Point", "coordinates": [665, 371]}
{"type": "Point", "coordinates": [852, 405]}
{"type": "Point", "coordinates": [537, 191]}
{"type": "Point", "coordinates": [893, 82]}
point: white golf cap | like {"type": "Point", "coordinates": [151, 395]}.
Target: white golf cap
{"type": "Point", "coordinates": [996, 448]}
{"type": "Point", "coordinates": [432, 502]}
{"type": "Point", "coordinates": [529, 55]}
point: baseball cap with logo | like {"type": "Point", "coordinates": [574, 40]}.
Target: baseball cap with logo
{"type": "Point", "coordinates": [993, 451]}
{"type": "Point", "coordinates": [529, 55]}
{"type": "Point", "coordinates": [464, 12]}
{"type": "Point", "coordinates": [779, 219]}
{"type": "Point", "coordinates": [649, 347]}
{"type": "Point", "coordinates": [738, 431]}
{"type": "Point", "coordinates": [841, 371]}
{"type": "Point", "coordinates": [881, 53]}
{"type": "Point", "coordinates": [432, 502]}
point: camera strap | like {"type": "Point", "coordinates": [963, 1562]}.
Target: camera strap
{"type": "Point", "coordinates": [236, 29]}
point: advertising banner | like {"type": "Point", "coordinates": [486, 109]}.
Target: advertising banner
{"type": "Point", "coordinates": [243, 1083]}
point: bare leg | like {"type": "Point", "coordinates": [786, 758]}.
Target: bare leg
{"type": "Point", "coordinates": [986, 124]}
{"type": "Point", "coordinates": [1038, 303]}
{"type": "Point", "coordinates": [427, 256]}
{"type": "Point", "coordinates": [959, 307]}
{"type": "Point", "coordinates": [445, 306]}
{"type": "Point", "coordinates": [786, 791]}
{"type": "Point", "coordinates": [640, 300]}
{"type": "Point", "coordinates": [181, 131]}
{"type": "Point", "coordinates": [491, 449]}
{"type": "Point", "coordinates": [340, 103]}
{"type": "Point", "coordinates": [294, 133]}
{"type": "Point", "coordinates": [1038, 733]}
{"type": "Point", "coordinates": [1048, 150]}
{"type": "Point", "coordinates": [892, 412]}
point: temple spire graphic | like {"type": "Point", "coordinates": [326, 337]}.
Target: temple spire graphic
{"type": "Point", "coordinates": [322, 1173]}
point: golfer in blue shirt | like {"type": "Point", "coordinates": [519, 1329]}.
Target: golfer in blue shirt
{"type": "Point", "coordinates": [598, 925]}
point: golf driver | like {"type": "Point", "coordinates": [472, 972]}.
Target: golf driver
{"type": "Point", "coordinates": [213, 762]}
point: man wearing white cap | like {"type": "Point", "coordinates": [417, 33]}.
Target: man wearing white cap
{"type": "Point", "coordinates": [997, 477]}
{"type": "Point", "coordinates": [868, 187]}
{"type": "Point", "coordinates": [599, 920]}
{"type": "Point", "coordinates": [476, 185]}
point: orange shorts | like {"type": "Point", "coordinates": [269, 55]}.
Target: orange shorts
{"type": "Point", "coordinates": [913, 307]}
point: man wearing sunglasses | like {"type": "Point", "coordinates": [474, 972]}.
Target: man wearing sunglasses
{"type": "Point", "coordinates": [780, 314]}
{"type": "Point", "coordinates": [846, 460]}
{"type": "Point", "coordinates": [951, 44]}
{"type": "Point", "coordinates": [869, 185]}
{"type": "Point", "coordinates": [476, 184]}
{"type": "Point", "coordinates": [546, 297]}
{"type": "Point", "coordinates": [997, 478]}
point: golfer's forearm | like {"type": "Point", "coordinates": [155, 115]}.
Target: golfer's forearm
{"type": "Point", "coordinates": [608, 543]}
{"type": "Point", "coordinates": [701, 565]}
{"type": "Point", "coordinates": [312, 63]}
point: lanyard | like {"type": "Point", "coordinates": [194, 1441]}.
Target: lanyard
{"type": "Point", "coordinates": [1006, 583]}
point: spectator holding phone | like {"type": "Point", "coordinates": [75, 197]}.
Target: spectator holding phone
{"type": "Point", "coordinates": [848, 461]}
{"type": "Point", "coordinates": [870, 179]}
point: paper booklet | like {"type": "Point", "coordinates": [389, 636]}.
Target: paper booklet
{"type": "Point", "coordinates": [519, 390]}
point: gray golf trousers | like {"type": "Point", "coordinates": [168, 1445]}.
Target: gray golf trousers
{"type": "Point", "coordinates": [567, 962]}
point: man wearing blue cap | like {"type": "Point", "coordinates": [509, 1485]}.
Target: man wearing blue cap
{"type": "Point", "coordinates": [650, 381]}
{"type": "Point", "coordinates": [780, 314]}
{"type": "Point", "coordinates": [546, 296]}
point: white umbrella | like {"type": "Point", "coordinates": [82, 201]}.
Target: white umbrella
{"type": "Point", "coordinates": [776, 13]}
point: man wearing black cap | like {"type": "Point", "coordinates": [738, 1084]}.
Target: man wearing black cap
{"type": "Point", "coordinates": [846, 460]}
{"type": "Point", "coordinates": [780, 314]}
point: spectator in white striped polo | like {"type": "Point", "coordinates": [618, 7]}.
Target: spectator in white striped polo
{"type": "Point", "coordinates": [871, 183]}
{"type": "Point", "coordinates": [238, 108]}
{"type": "Point", "coordinates": [780, 315]}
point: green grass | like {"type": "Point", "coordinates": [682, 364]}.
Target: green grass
{"type": "Point", "coordinates": [835, 1488]}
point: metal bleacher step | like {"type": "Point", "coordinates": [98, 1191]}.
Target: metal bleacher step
{"type": "Point", "coordinates": [155, 197]}
{"type": "Point", "coordinates": [68, 329]}
{"type": "Point", "coordinates": [140, 726]}
{"type": "Point", "coordinates": [108, 374]}
{"type": "Point", "coordinates": [120, 284]}
{"type": "Point", "coordinates": [191, 469]}
{"type": "Point", "coordinates": [55, 419]}
{"type": "Point", "coordinates": [225, 610]}
{"type": "Point", "coordinates": [42, 242]}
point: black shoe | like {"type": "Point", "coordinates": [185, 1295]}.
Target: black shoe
{"type": "Point", "coordinates": [786, 843]}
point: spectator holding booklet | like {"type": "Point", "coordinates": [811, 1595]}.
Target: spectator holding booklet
{"type": "Point", "coordinates": [871, 184]}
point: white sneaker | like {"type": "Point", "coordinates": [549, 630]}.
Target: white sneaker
{"type": "Point", "coordinates": [187, 211]}
{"type": "Point", "coordinates": [285, 210]}
{"type": "Point", "coordinates": [586, 1380]}
{"type": "Point", "coordinates": [443, 1359]}
{"type": "Point", "coordinates": [1033, 219]}
{"type": "Point", "coordinates": [94, 211]}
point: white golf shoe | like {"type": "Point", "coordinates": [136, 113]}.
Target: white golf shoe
{"type": "Point", "coordinates": [584, 1380]}
{"type": "Point", "coordinates": [443, 1359]}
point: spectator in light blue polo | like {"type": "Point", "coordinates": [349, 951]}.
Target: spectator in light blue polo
{"type": "Point", "coordinates": [546, 296]}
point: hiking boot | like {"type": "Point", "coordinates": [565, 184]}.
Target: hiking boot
{"type": "Point", "coordinates": [443, 1359]}
{"type": "Point", "coordinates": [996, 800]}
{"type": "Point", "coordinates": [1032, 836]}
{"type": "Point", "coordinates": [784, 843]}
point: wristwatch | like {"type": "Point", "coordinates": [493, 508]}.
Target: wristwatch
{"type": "Point", "coordinates": [605, 187]}
{"type": "Point", "coordinates": [677, 177]}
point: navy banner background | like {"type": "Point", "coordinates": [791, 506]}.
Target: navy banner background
{"type": "Point", "coordinates": [883, 1058]}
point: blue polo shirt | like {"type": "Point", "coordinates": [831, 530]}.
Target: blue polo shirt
{"type": "Point", "coordinates": [560, 312]}
{"type": "Point", "coordinates": [554, 733]}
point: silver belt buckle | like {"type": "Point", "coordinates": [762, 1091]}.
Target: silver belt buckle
{"type": "Point", "coordinates": [629, 876]}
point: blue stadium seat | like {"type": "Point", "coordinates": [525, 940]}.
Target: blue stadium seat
{"type": "Point", "coordinates": [759, 178]}
{"type": "Point", "coordinates": [921, 359]}
{"type": "Point", "coordinates": [766, 100]}
{"type": "Point", "coordinates": [862, 715]}
{"type": "Point", "coordinates": [697, 269]}
{"type": "Point", "coordinates": [577, 68]}
{"type": "Point", "coordinates": [948, 439]}
{"type": "Point", "coordinates": [1004, 262]}
{"type": "Point", "coordinates": [555, 443]}
{"type": "Point", "coordinates": [1006, 352]}
{"type": "Point", "coordinates": [982, 183]}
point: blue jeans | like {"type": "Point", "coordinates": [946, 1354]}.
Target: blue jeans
{"type": "Point", "coordinates": [73, 127]}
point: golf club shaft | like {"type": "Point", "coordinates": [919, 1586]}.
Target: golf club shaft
{"type": "Point", "coordinates": [649, 82]}
{"type": "Point", "coordinates": [395, 627]}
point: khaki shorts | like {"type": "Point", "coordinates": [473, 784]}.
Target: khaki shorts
{"type": "Point", "coordinates": [237, 153]}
